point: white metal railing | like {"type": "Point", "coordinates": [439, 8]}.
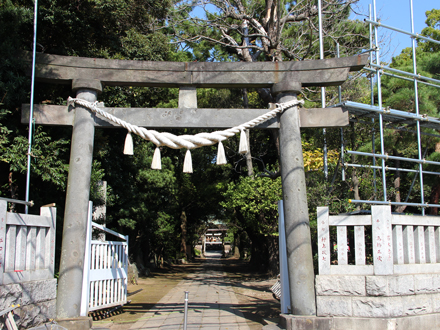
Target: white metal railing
{"type": "Point", "coordinates": [27, 245]}
{"type": "Point", "coordinates": [105, 271]}
{"type": "Point", "coordinates": [400, 244]}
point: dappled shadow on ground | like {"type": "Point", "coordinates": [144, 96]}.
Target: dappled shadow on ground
{"type": "Point", "coordinates": [252, 290]}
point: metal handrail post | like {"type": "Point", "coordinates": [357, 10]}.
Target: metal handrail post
{"type": "Point", "coordinates": [185, 321]}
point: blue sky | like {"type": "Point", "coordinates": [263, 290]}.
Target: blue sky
{"type": "Point", "coordinates": [396, 13]}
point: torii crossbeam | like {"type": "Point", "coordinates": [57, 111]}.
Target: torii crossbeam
{"type": "Point", "coordinates": [88, 75]}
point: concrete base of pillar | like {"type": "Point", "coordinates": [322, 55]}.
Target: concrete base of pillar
{"type": "Point", "coordinates": [419, 322]}
{"type": "Point", "coordinates": [78, 323]}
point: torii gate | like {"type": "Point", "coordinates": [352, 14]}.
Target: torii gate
{"type": "Point", "coordinates": [88, 75]}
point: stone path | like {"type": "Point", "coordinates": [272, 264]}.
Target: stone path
{"type": "Point", "coordinates": [212, 304]}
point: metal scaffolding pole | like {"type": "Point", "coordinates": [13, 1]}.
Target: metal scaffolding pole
{"type": "Point", "coordinates": [342, 130]}
{"type": "Point", "coordinates": [413, 75]}
{"type": "Point", "coordinates": [321, 56]}
{"type": "Point", "coordinates": [373, 138]}
{"type": "Point", "coordinates": [416, 99]}
{"type": "Point", "coordinates": [418, 77]}
{"type": "Point", "coordinates": [390, 168]}
{"type": "Point", "coordinates": [423, 206]}
{"type": "Point", "coordinates": [413, 35]}
{"type": "Point", "coordinates": [379, 103]}
{"type": "Point", "coordinates": [31, 112]}
{"type": "Point", "coordinates": [386, 157]}
{"type": "Point", "coordinates": [396, 117]}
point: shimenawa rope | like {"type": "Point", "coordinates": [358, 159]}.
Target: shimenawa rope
{"type": "Point", "coordinates": [185, 141]}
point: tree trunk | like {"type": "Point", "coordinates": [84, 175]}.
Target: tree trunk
{"type": "Point", "coordinates": [354, 179]}
{"type": "Point", "coordinates": [250, 166]}
{"type": "Point", "coordinates": [248, 155]}
{"type": "Point", "coordinates": [13, 189]}
{"type": "Point", "coordinates": [183, 227]}
{"type": "Point", "coordinates": [397, 180]}
{"type": "Point", "coordinates": [434, 199]}
{"type": "Point", "coordinates": [273, 249]}
{"type": "Point", "coordinates": [237, 243]}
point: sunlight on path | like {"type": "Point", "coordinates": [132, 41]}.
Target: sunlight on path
{"type": "Point", "coordinates": [212, 302]}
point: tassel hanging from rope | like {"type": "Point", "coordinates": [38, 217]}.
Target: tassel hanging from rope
{"type": "Point", "coordinates": [128, 147]}
{"type": "Point", "coordinates": [156, 164]}
{"type": "Point", "coordinates": [244, 148]}
{"type": "Point", "coordinates": [187, 163]}
{"type": "Point", "coordinates": [221, 157]}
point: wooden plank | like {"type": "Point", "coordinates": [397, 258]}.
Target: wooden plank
{"type": "Point", "coordinates": [3, 215]}
{"type": "Point", "coordinates": [106, 274]}
{"type": "Point", "coordinates": [96, 294]}
{"type": "Point", "coordinates": [350, 220]}
{"type": "Point", "coordinates": [103, 306]}
{"type": "Point", "coordinates": [93, 265]}
{"type": "Point", "coordinates": [359, 243]}
{"type": "Point", "coordinates": [45, 114]}
{"type": "Point", "coordinates": [106, 243]}
{"type": "Point", "coordinates": [126, 253]}
{"type": "Point", "coordinates": [10, 322]}
{"type": "Point", "coordinates": [100, 290]}
{"type": "Point", "coordinates": [408, 243]}
{"type": "Point", "coordinates": [398, 249]}
{"type": "Point", "coordinates": [382, 244]}
{"type": "Point", "coordinates": [342, 245]}
{"type": "Point", "coordinates": [323, 241]}
{"type": "Point", "coordinates": [419, 244]}
{"type": "Point", "coordinates": [430, 245]}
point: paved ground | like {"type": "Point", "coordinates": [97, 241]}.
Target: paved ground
{"type": "Point", "coordinates": [215, 301]}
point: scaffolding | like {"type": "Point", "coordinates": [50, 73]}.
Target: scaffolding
{"type": "Point", "coordinates": [395, 119]}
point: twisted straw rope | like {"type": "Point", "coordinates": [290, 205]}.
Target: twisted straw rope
{"type": "Point", "coordinates": [185, 141]}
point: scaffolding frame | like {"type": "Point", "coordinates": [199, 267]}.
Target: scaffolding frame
{"type": "Point", "coordinates": [392, 116]}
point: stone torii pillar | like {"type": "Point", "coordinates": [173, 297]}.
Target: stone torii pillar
{"type": "Point", "coordinates": [76, 212]}
{"type": "Point", "coordinates": [296, 214]}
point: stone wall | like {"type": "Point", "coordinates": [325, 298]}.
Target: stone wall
{"type": "Point", "coordinates": [36, 298]}
{"type": "Point", "coordinates": [377, 296]}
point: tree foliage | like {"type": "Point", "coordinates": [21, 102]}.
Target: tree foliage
{"type": "Point", "coordinates": [164, 210]}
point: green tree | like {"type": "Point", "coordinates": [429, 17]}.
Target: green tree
{"type": "Point", "coordinates": [253, 207]}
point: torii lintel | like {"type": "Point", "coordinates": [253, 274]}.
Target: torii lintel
{"type": "Point", "coordinates": [65, 69]}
